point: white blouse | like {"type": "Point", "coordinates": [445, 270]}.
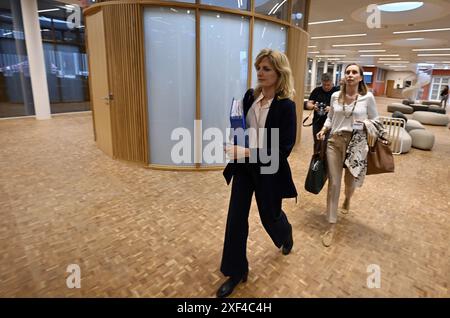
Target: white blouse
{"type": "Point", "coordinates": [341, 120]}
{"type": "Point", "coordinates": [256, 118]}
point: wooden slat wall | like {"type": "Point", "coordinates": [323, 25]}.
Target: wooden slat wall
{"type": "Point", "coordinates": [297, 52]}
{"type": "Point", "coordinates": [126, 65]}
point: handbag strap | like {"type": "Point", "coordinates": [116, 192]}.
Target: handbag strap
{"type": "Point", "coordinates": [307, 117]}
{"type": "Point", "coordinates": [320, 148]}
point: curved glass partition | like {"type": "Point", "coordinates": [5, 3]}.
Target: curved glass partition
{"type": "Point", "coordinates": [198, 56]}
{"type": "Point", "coordinates": [223, 75]}
{"type": "Point", "coordinates": [267, 35]}
{"type": "Point", "coordinates": [170, 67]}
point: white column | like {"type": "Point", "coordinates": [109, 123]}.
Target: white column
{"type": "Point", "coordinates": [313, 73]}
{"type": "Point", "coordinates": [325, 66]}
{"type": "Point", "coordinates": [334, 73]}
{"type": "Point", "coordinates": [36, 62]}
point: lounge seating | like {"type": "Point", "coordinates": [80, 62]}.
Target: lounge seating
{"type": "Point", "coordinates": [422, 139]}
{"type": "Point", "coordinates": [412, 124]}
{"type": "Point", "coordinates": [400, 108]}
{"type": "Point", "coordinates": [407, 102]}
{"type": "Point", "coordinates": [436, 109]}
{"type": "Point", "coordinates": [431, 102]}
{"type": "Point", "coordinates": [398, 114]}
{"type": "Point", "coordinates": [430, 118]}
{"type": "Point", "coordinates": [419, 107]}
{"type": "Point", "coordinates": [403, 142]}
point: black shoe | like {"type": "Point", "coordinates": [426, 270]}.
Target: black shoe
{"type": "Point", "coordinates": [227, 288]}
{"type": "Point", "coordinates": [287, 247]}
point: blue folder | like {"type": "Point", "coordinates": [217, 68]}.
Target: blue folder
{"type": "Point", "coordinates": [238, 124]}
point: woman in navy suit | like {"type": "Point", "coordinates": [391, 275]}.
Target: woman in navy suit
{"type": "Point", "coordinates": [269, 107]}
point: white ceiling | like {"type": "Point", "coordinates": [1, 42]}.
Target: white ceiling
{"type": "Point", "coordinates": [434, 14]}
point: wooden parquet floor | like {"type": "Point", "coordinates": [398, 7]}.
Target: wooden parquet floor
{"type": "Point", "coordinates": [137, 232]}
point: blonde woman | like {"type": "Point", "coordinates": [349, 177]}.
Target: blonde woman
{"type": "Point", "coordinates": [349, 108]}
{"type": "Point", "coordinates": [269, 106]}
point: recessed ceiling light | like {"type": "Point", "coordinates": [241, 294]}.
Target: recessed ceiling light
{"type": "Point", "coordinates": [371, 51]}
{"type": "Point", "coordinates": [378, 55]}
{"type": "Point", "coordinates": [369, 65]}
{"type": "Point", "coordinates": [396, 62]}
{"type": "Point", "coordinates": [327, 21]}
{"type": "Point", "coordinates": [419, 31]}
{"type": "Point", "coordinates": [441, 49]}
{"type": "Point", "coordinates": [48, 10]}
{"type": "Point", "coordinates": [356, 44]}
{"type": "Point", "coordinates": [337, 36]}
{"type": "Point", "coordinates": [390, 58]}
{"type": "Point", "coordinates": [415, 39]}
{"type": "Point", "coordinates": [400, 6]}
{"type": "Point", "coordinates": [314, 52]}
{"type": "Point", "coordinates": [311, 46]}
{"type": "Point", "coordinates": [437, 54]}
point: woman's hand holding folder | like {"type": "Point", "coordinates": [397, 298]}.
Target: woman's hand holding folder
{"type": "Point", "coordinates": [236, 152]}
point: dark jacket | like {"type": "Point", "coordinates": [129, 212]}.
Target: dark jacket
{"type": "Point", "coordinates": [282, 115]}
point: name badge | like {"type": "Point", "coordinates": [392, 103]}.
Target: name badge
{"type": "Point", "coordinates": [358, 126]}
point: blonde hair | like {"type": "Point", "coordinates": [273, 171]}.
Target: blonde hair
{"type": "Point", "coordinates": [362, 87]}
{"type": "Point", "coordinates": [284, 87]}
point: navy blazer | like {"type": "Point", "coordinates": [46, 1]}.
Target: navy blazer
{"type": "Point", "coordinates": [282, 115]}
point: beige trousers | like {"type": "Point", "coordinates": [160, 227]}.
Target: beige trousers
{"type": "Point", "coordinates": [336, 148]}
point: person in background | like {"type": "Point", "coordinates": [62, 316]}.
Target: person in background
{"type": "Point", "coordinates": [349, 108]}
{"type": "Point", "coordinates": [444, 96]}
{"type": "Point", "coordinates": [319, 100]}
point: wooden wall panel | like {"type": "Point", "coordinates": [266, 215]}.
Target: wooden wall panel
{"type": "Point", "coordinates": [126, 65]}
{"type": "Point", "coordinates": [297, 53]}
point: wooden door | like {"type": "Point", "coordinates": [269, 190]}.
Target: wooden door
{"type": "Point", "coordinates": [390, 88]}
{"type": "Point", "coordinates": [98, 80]}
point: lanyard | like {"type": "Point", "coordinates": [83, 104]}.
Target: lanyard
{"type": "Point", "coordinates": [354, 105]}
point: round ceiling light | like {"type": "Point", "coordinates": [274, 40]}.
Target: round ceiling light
{"type": "Point", "coordinates": [400, 6]}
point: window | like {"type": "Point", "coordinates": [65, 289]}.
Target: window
{"type": "Point", "coordinates": [272, 8]}
{"type": "Point", "coordinates": [381, 74]}
{"type": "Point", "coordinates": [437, 85]}
{"type": "Point", "coordinates": [237, 4]}
{"type": "Point", "coordinates": [368, 77]}
{"type": "Point", "coordinates": [65, 58]}
{"type": "Point", "coordinates": [16, 98]}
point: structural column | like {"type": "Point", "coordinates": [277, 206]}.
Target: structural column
{"type": "Point", "coordinates": [313, 73]}
{"type": "Point", "coordinates": [334, 73]}
{"type": "Point", "coordinates": [325, 66]}
{"type": "Point", "coordinates": [36, 60]}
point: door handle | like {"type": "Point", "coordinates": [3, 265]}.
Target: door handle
{"type": "Point", "coordinates": [108, 98]}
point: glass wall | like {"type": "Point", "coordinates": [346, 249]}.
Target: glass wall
{"type": "Point", "coordinates": [16, 98]}
{"type": "Point", "coordinates": [273, 8]}
{"type": "Point", "coordinates": [65, 57]}
{"type": "Point", "coordinates": [308, 77]}
{"type": "Point", "coordinates": [170, 63]}
{"type": "Point", "coordinates": [266, 35]}
{"type": "Point", "coordinates": [232, 4]}
{"type": "Point", "coordinates": [170, 49]}
{"type": "Point", "coordinates": [224, 64]}
{"type": "Point", "coordinates": [298, 13]}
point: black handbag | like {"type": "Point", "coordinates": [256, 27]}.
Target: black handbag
{"type": "Point", "coordinates": [318, 172]}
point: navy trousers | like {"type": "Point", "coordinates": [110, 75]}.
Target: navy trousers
{"type": "Point", "coordinates": [247, 180]}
